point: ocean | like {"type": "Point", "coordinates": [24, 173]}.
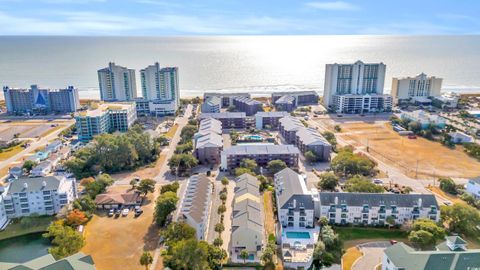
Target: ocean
{"type": "Point", "coordinates": [255, 64]}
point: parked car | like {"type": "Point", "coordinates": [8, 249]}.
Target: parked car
{"type": "Point", "coordinates": [377, 181]}
{"type": "Point", "coordinates": [125, 212]}
{"type": "Point", "coordinates": [138, 212]}
{"type": "Point", "coordinates": [393, 242]}
{"type": "Point", "coordinates": [413, 137]}
{"type": "Point", "coordinates": [111, 212]}
{"type": "Point", "coordinates": [118, 212]}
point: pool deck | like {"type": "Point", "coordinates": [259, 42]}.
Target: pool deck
{"type": "Point", "coordinates": [300, 249]}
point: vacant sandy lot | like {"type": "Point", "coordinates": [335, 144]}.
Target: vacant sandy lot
{"type": "Point", "coordinates": [29, 128]}
{"type": "Point", "coordinates": [117, 243]}
{"type": "Point", "coordinates": [433, 159]}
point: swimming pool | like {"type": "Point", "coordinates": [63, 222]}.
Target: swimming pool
{"type": "Point", "coordinates": [254, 137]}
{"type": "Point", "coordinates": [298, 235]}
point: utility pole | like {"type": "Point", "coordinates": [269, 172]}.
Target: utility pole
{"type": "Point", "coordinates": [416, 171]}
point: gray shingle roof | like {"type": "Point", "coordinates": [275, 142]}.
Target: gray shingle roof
{"type": "Point", "coordinates": [290, 186]}
{"type": "Point", "coordinates": [377, 199]}
{"type": "Point", "coordinates": [222, 115]}
{"type": "Point", "coordinates": [403, 256]}
{"type": "Point", "coordinates": [247, 183]}
{"type": "Point", "coordinates": [34, 184]}
{"type": "Point", "coordinates": [310, 136]}
{"type": "Point", "coordinates": [286, 99]}
{"type": "Point", "coordinates": [476, 180]}
{"type": "Point", "coordinates": [290, 123]}
{"type": "Point", "coordinates": [261, 149]}
{"type": "Point", "coordinates": [248, 100]}
{"type": "Point", "coordinates": [297, 93]}
{"type": "Point", "coordinates": [247, 214]}
{"type": "Point", "coordinates": [272, 114]}
{"type": "Point", "coordinates": [199, 198]}
{"type": "Point", "coordinates": [209, 140]}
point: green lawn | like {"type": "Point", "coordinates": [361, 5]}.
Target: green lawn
{"type": "Point", "coordinates": [356, 235]}
{"type": "Point", "coordinates": [39, 224]}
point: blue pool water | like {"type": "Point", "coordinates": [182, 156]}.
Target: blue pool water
{"type": "Point", "coordinates": [254, 137]}
{"type": "Point", "coordinates": [298, 235]}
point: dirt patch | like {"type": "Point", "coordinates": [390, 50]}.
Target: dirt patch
{"type": "Point", "coordinates": [118, 243]}
{"type": "Point", "coordinates": [269, 218]}
{"type": "Point", "coordinates": [350, 256]}
{"type": "Point", "coordinates": [416, 157]}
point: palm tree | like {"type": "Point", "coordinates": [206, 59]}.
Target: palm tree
{"type": "Point", "coordinates": [146, 259]}
{"type": "Point", "coordinates": [244, 255]}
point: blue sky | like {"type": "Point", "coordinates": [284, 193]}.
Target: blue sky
{"type": "Point", "coordinates": [246, 17]}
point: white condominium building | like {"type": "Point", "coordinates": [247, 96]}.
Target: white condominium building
{"type": "Point", "coordinates": [348, 82]}
{"type": "Point", "coordinates": [37, 195]}
{"type": "Point", "coordinates": [404, 89]}
{"type": "Point", "coordinates": [160, 83]}
{"type": "Point", "coordinates": [117, 83]}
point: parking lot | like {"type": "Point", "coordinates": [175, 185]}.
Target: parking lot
{"type": "Point", "coordinates": [372, 255]}
{"type": "Point", "coordinates": [118, 242]}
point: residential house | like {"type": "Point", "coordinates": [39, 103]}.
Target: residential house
{"type": "Point", "coordinates": [212, 104]}
{"type": "Point", "coordinates": [247, 220]}
{"type": "Point", "coordinates": [451, 254]}
{"type": "Point", "coordinates": [473, 187]}
{"type": "Point", "coordinates": [460, 137]}
{"type": "Point", "coordinates": [195, 207]}
{"type": "Point", "coordinates": [375, 208]}
{"type": "Point", "coordinates": [309, 139]}
{"type": "Point", "coordinates": [42, 169]}
{"type": "Point", "coordinates": [425, 119]}
{"type": "Point", "coordinates": [118, 200]}
{"type": "Point", "coordinates": [296, 215]}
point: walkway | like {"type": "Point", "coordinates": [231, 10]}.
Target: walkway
{"type": "Point", "coordinates": [373, 254]}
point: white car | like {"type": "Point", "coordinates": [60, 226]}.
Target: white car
{"type": "Point", "coordinates": [125, 212]}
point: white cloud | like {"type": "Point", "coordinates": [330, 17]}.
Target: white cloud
{"type": "Point", "coordinates": [333, 5]}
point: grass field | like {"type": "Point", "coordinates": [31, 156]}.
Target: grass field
{"type": "Point", "coordinates": [16, 229]}
{"type": "Point", "coordinates": [269, 219]}
{"type": "Point", "coordinates": [432, 158]}
{"type": "Point", "coordinates": [10, 152]}
{"type": "Point", "coordinates": [171, 132]}
{"type": "Point", "coordinates": [353, 236]}
{"type": "Point", "coordinates": [350, 256]}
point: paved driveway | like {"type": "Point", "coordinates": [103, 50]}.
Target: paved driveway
{"type": "Point", "coordinates": [372, 255]}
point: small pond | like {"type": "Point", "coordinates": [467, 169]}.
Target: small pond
{"type": "Point", "coordinates": [23, 248]}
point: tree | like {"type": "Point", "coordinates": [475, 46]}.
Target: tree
{"type": "Point", "coordinates": [415, 127]}
{"type": "Point", "coordinates": [328, 235]}
{"type": "Point", "coordinates": [448, 185]}
{"type": "Point", "coordinates": [166, 204]}
{"type": "Point", "coordinates": [76, 218]}
{"type": "Point", "coordinates": [221, 209]}
{"type": "Point", "coordinates": [469, 199]}
{"type": "Point", "coordinates": [407, 190]}
{"type": "Point", "coordinates": [421, 239]}
{"type": "Point", "coordinates": [65, 240]}
{"type": "Point", "coordinates": [133, 183]}
{"type": "Point", "coordinates": [390, 221]}
{"type": "Point", "coordinates": [328, 181]}
{"type": "Point", "coordinates": [99, 185]}
{"type": "Point", "coordinates": [244, 255]}
{"type": "Point", "coordinates": [146, 259]}
{"type": "Point", "coordinates": [105, 179]}
{"type": "Point", "coordinates": [187, 254]}
{"type": "Point", "coordinates": [216, 256]}
{"type": "Point", "coordinates": [187, 133]}
{"type": "Point", "coordinates": [163, 140]}
{"type": "Point", "coordinates": [276, 165]}
{"type": "Point", "coordinates": [145, 186]}
{"type": "Point", "coordinates": [182, 163]}
{"type": "Point", "coordinates": [223, 196]}
{"type": "Point", "coordinates": [330, 137]}
{"type": "Point", "coordinates": [184, 148]}
{"type": "Point", "coordinates": [425, 224]}
{"type": "Point", "coordinates": [347, 163]}
{"type": "Point", "coordinates": [249, 164]}
{"type": "Point", "coordinates": [461, 218]}
{"type": "Point", "coordinates": [225, 181]}
{"type": "Point", "coordinates": [218, 242]}
{"type": "Point", "coordinates": [86, 181]}
{"type": "Point", "coordinates": [318, 253]}
{"type": "Point", "coordinates": [219, 227]}
{"type": "Point", "coordinates": [360, 184]}
{"type": "Point", "coordinates": [231, 108]}
{"type": "Point", "coordinates": [173, 187]}
{"type": "Point", "coordinates": [337, 128]}
{"type": "Point", "coordinates": [85, 204]}
{"type": "Point", "coordinates": [323, 221]}
{"type": "Point", "coordinates": [28, 165]}
{"type": "Point", "coordinates": [239, 171]}
{"type": "Point", "coordinates": [177, 231]}
{"type": "Point", "coordinates": [311, 157]}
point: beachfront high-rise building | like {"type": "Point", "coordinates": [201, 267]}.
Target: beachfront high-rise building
{"type": "Point", "coordinates": [41, 101]}
{"type": "Point", "coordinates": [159, 90]}
{"type": "Point", "coordinates": [421, 86]}
{"type": "Point", "coordinates": [117, 83]}
{"type": "Point", "coordinates": [355, 88]}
